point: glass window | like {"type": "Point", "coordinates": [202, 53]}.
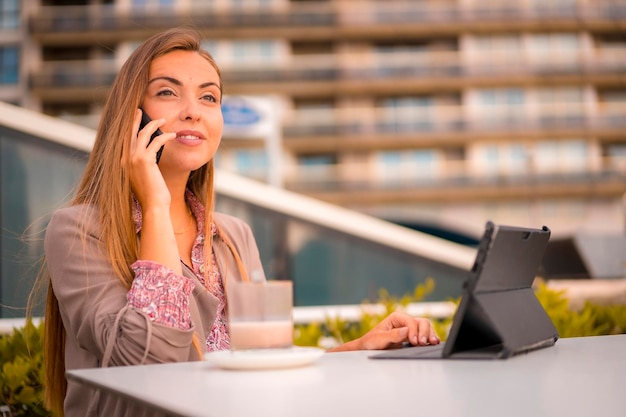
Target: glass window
{"type": "Point", "coordinates": [558, 50]}
{"type": "Point", "coordinates": [561, 156]}
{"type": "Point", "coordinates": [492, 156]}
{"type": "Point", "coordinates": [504, 159]}
{"type": "Point", "coordinates": [252, 53]}
{"type": "Point", "coordinates": [250, 3]}
{"type": "Point", "coordinates": [564, 104]}
{"type": "Point", "coordinates": [500, 50]}
{"type": "Point", "coordinates": [560, 95]}
{"type": "Point", "coordinates": [502, 106]}
{"type": "Point", "coordinates": [518, 158]}
{"type": "Point", "coordinates": [251, 162]}
{"type": "Point", "coordinates": [35, 176]}
{"type": "Point", "coordinates": [317, 160]}
{"type": "Point", "coordinates": [257, 51]}
{"type": "Point", "coordinates": [501, 97]}
{"type": "Point", "coordinates": [9, 65]}
{"type": "Point", "coordinates": [317, 168]}
{"type": "Point", "coordinates": [409, 165]}
{"type": "Point", "coordinates": [407, 113]}
{"type": "Point", "coordinates": [9, 14]}
{"type": "Point", "coordinates": [211, 46]}
{"type": "Point", "coordinates": [152, 4]}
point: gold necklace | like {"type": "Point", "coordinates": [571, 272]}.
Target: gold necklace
{"type": "Point", "coordinates": [189, 223]}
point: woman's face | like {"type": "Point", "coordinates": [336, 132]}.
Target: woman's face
{"type": "Point", "coordinates": [184, 89]}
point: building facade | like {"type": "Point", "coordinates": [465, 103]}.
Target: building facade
{"type": "Point", "coordinates": [444, 113]}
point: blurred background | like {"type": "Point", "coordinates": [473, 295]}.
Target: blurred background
{"type": "Point", "coordinates": [434, 116]}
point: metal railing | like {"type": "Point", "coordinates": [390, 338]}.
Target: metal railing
{"type": "Point", "coordinates": [389, 66]}
{"type": "Point", "coordinates": [317, 14]}
{"type": "Point", "coordinates": [452, 175]}
{"type": "Point", "coordinates": [434, 118]}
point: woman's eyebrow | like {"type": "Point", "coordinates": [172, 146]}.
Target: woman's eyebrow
{"type": "Point", "coordinates": [177, 82]}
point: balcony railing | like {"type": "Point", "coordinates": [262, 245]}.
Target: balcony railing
{"type": "Point", "coordinates": [524, 118]}
{"type": "Point", "coordinates": [363, 184]}
{"type": "Point", "coordinates": [445, 66]}
{"type": "Point", "coordinates": [114, 17]}
{"type": "Point", "coordinates": [54, 19]}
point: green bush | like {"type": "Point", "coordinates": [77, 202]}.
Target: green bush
{"type": "Point", "coordinates": [591, 320]}
{"type": "Point", "coordinates": [334, 330]}
{"type": "Point", "coordinates": [21, 380]}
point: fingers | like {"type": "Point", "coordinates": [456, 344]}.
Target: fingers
{"type": "Point", "coordinates": [424, 333]}
{"type": "Point", "coordinates": [420, 330]}
{"type": "Point", "coordinates": [398, 328]}
{"type": "Point", "coordinates": [383, 339]}
{"type": "Point", "coordinates": [144, 148]}
{"type": "Point", "coordinates": [133, 140]}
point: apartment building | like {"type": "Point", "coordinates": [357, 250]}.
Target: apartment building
{"type": "Point", "coordinates": [437, 113]}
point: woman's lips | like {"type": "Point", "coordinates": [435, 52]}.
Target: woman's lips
{"type": "Point", "coordinates": [189, 137]}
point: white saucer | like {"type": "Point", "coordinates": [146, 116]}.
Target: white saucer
{"type": "Point", "coordinates": [254, 359]}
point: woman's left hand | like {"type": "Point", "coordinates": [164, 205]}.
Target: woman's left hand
{"type": "Point", "coordinates": [396, 329]}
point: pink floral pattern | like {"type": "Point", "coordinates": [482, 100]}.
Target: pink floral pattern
{"type": "Point", "coordinates": [164, 295]}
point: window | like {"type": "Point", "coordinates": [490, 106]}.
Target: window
{"type": "Point", "coordinates": [561, 105]}
{"type": "Point", "coordinates": [317, 168]}
{"type": "Point", "coordinates": [568, 156]}
{"type": "Point", "coordinates": [253, 51]}
{"type": "Point", "coordinates": [407, 114]}
{"type": "Point", "coordinates": [557, 51]}
{"type": "Point", "coordinates": [9, 65]}
{"type": "Point", "coordinates": [251, 162]}
{"type": "Point", "coordinates": [250, 53]}
{"type": "Point", "coordinates": [546, 5]}
{"type": "Point", "coordinates": [409, 165]}
{"type": "Point", "coordinates": [500, 107]}
{"type": "Point", "coordinates": [317, 160]}
{"type": "Point", "coordinates": [9, 14]}
{"type": "Point", "coordinates": [505, 159]}
{"type": "Point", "coordinates": [152, 4]}
{"type": "Point", "coordinates": [616, 157]}
{"type": "Point", "coordinates": [496, 53]}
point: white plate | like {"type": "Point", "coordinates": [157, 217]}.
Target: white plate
{"type": "Point", "coordinates": [264, 358]}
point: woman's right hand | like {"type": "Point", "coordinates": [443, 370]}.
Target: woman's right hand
{"type": "Point", "coordinates": [145, 176]}
{"type": "Point", "coordinates": [157, 240]}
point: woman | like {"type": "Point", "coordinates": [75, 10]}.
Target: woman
{"type": "Point", "coordinates": [138, 261]}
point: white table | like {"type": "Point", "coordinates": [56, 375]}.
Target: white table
{"type": "Point", "coordinates": [577, 377]}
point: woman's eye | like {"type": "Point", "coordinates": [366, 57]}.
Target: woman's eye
{"type": "Point", "coordinates": [209, 97]}
{"type": "Point", "coordinates": [165, 93]}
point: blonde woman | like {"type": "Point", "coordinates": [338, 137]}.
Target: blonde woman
{"type": "Point", "coordinates": [137, 262]}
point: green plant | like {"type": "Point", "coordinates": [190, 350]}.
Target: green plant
{"type": "Point", "coordinates": [21, 363]}
{"type": "Point", "coordinates": [591, 320]}
{"type": "Point", "coordinates": [335, 330]}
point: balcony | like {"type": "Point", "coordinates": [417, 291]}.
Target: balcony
{"type": "Point", "coordinates": [321, 20]}
{"type": "Point", "coordinates": [354, 185]}
{"type": "Point", "coordinates": [370, 129]}
{"type": "Point", "coordinates": [462, 131]}
{"type": "Point", "coordinates": [357, 74]}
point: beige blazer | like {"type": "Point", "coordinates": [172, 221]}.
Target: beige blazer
{"type": "Point", "coordinates": [99, 325]}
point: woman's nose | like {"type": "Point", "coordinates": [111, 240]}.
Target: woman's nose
{"type": "Point", "coordinates": [190, 110]}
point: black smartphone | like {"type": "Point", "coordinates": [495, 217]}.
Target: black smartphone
{"type": "Point", "coordinates": [144, 121]}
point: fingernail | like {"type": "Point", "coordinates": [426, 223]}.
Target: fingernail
{"type": "Point", "coordinates": [424, 340]}
{"type": "Point", "coordinates": [415, 339]}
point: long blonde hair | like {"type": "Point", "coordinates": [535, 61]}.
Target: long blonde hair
{"type": "Point", "coordinates": [105, 185]}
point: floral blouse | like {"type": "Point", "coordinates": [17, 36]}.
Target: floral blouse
{"type": "Point", "coordinates": [164, 295]}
